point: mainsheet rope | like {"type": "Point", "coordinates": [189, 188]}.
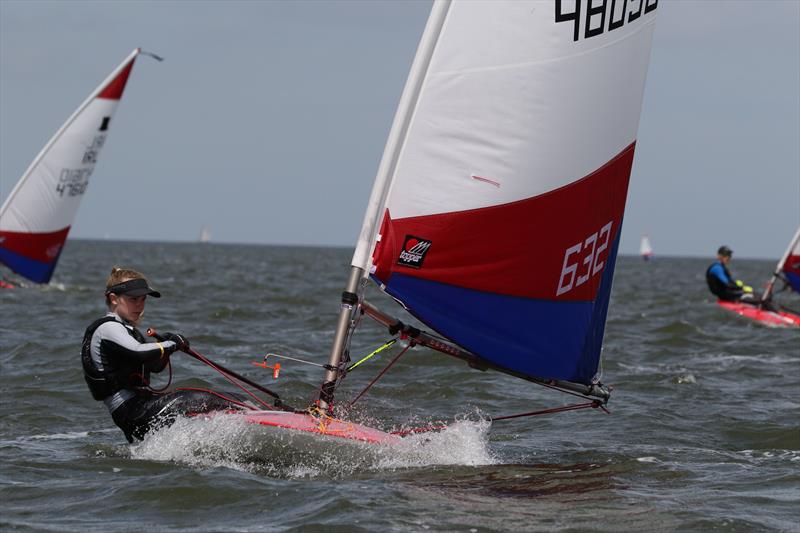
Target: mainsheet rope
{"type": "Point", "coordinates": [573, 407]}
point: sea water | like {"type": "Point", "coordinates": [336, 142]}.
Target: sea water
{"type": "Point", "coordinates": [704, 430]}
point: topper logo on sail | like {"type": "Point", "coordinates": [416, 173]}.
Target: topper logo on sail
{"type": "Point", "coordinates": [414, 250]}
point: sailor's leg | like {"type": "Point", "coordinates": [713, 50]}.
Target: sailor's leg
{"type": "Point", "coordinates": [139, 415]}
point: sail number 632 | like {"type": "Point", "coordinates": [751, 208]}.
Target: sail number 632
{"type": "Point", "coordinates": [582, 261]}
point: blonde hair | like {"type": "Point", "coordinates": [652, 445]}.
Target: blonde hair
{"type": "Point", "coordinates": [119, 274]}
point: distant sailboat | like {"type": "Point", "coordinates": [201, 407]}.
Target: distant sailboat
{"type": "Point", "coordinates": [787, 269]}
{"type": "Point", "coordinates": [38, 213]}
{"type": "Point", "coordinates": [645, 249]}
{"type": "Point", "coordinates": [205, 235]}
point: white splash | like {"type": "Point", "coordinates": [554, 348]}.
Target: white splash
{"type": "Point", "coordinates": [231, 442]}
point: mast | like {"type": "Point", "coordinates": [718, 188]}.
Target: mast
{"type": "Point", "coordinates": [359, 263]}
{"type": "Point", "coordinates": [768, 290]}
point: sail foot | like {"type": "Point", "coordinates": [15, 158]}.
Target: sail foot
{"type": "Point", "coordinates": [396, 326]}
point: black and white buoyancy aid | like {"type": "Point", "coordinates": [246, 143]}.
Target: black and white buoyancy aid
{"type": "Point", "coordinates": [115, 373]}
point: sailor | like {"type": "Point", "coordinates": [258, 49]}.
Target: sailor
{"type": "Point", "coordinates": [117, 362]}
{"type": "Point", "coordinates": [722, 284]}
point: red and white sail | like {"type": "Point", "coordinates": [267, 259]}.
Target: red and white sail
{"type": "Point", "coordinates": [788, 266]}
{"type": "Point", "coordinates": [645, 248]}
{"type": "Point", "coordinates": [36, 217]}
{"type": "Point", "coordinates": [497, 209]}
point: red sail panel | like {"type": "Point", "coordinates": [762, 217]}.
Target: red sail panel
{"type": "Point", "coordinates": [553, 246]}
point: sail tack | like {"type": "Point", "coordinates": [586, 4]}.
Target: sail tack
{"type": "Point", "coordinates": [504, 191]}
{"type": "Point", "coordinates": [36, 217]}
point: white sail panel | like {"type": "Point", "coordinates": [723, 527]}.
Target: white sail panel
{"type": "Point", "coordinates": [532, 111]}
{"type": "Point", "coordinates": [52, 192]}
{"type": "Point", "coordinates": [38, 213]}
{"type": "Point", "coordinates": [645, 249]}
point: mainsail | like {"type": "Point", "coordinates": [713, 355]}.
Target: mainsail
{"type": "Point", "coordinates": [788, 266]}
{"type": "Point", "coordinates": [36, 217]}
{"type": "Point", "coordinates": [496, 212]}
{"type": "Point", "coordinates": [645, 249]}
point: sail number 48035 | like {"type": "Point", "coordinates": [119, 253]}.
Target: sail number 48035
{"type": "Point", "coordinates": [582, 261]}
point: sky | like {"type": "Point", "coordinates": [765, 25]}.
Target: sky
{"type": "Point", "coordinates": [267, 120]}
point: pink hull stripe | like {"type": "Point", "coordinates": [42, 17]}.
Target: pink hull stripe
{"type": "Point", "coordinates": [330, 427]}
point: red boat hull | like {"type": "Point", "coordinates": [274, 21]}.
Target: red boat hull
{"type": "Point", "coordinates": [762, 316]}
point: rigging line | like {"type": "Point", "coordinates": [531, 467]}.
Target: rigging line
{"type": "Point", "coordinates": [202, 358]}
{"type": "Point", "coordinates": [573, 407]}
{"type": "Point", "coordinates": [169, 381]}
{"type": "Point", "coordinates": [151, 54]}
{"type": "Point", "coordinates": [219, 368]}
{"type": "Point", "coordinates": [382, 372]}
{"type": "Point", "coordinates": [219, 395]}
{"type": "Point", "coordinates": [377, 351]}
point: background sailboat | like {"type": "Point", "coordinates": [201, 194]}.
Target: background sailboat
{"type": "Point", "coordinates": [645, 249]}
{"type": "Point", "coordinates": [205, 235]}
{"type": "Point", "coordinates": [788, 269]}
{"type": "Point", "coordinates": [38, 213]}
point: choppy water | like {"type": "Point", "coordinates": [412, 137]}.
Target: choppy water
{"type": "Point", "coordinates": [704, 432]}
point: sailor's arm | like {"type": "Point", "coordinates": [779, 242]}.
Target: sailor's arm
{"type": "Point", "coordinates": [117, 343]}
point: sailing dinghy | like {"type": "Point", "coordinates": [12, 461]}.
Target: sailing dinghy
{"type": "Point", "coordinates": [645, 249]}
{"type": "Point", "coordinates": [787, 270]}
{"type": "Point", "coordinates": [496, 212]}
{"type": "Point", "coordinates": [38, 213]}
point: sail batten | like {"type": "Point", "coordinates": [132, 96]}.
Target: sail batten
{"type": "Point", "coordinates": [503, 185]}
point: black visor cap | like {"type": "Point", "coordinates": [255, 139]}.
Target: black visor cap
{"type": "Point", "coordinates": [725, 251]}
{"type": "Point", "coordinates": [135, 288]}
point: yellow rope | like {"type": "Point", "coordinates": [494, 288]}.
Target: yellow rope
{"type": "Point", "coordinates": [376, 352]}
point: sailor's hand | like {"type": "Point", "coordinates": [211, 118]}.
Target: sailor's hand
{"type": "Point", "coordinates": [739, 283]}
{"type": "Point", "coordinates": [181, 342]}
{"type": "Point", "coordinates": [747, 288]}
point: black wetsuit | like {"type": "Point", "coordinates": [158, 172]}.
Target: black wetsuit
{"type": "Point", "coordinates": [117, 362]}
{"type": "Point", "coordinates": [720, 282]}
